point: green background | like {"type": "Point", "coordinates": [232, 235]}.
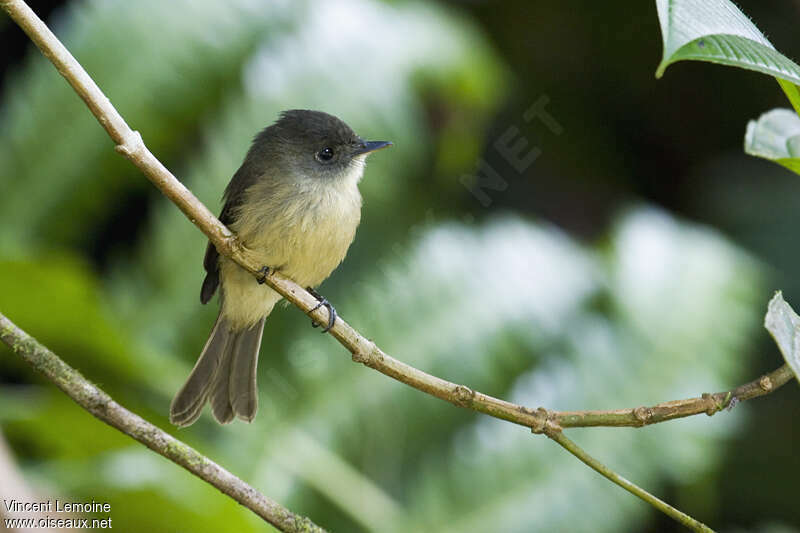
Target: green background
{"type": "Point", "coordinates": [630, 262]}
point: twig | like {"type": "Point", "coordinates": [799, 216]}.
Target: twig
{"type": "Point", "coordinates": [102, 406]}
{"type": "Point", "coordinates": [130, 144]}
{"type": "Point", "coordinates": [682, 518]}
{"type": "Point", "coordinates": [662, 412]}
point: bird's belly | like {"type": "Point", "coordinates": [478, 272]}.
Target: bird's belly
{"type": "Point", "coordinates": [305, 248]}
{"type": "Point", "coordinates": [244, 301]}
{"type": "Point", "coordinates": [313, 256]}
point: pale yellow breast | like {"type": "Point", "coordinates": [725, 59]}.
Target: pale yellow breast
{"type": "Point", "coordinates": [311, 245]}
{"type": "Point", "coordinates": [304, 232]}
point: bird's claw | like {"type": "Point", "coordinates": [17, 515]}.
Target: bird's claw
{"type": "Point", "coordinates": [323, 302]}
{"type": "Point", "coordinates": [264, 271]}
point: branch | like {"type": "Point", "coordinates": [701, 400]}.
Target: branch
{"type": "Point", "coordinates": [102, 406]}
{"type": "Point", "coordinates": [603, 470]}
{"type": "Point", "coordinates": [709, 404]}
{"type": "Point", "coordinates": [129, 143]}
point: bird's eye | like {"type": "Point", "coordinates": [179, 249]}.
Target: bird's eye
{"type": "Point", "coordinates": [325, 155]}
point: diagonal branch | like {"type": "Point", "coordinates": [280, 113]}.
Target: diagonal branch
{"type": "Point", "coordinates": [679, 516]}
{"type": "Point", "coordinates": [101, 405]}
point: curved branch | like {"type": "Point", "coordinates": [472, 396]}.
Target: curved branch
{"type": "Point", "coordinates": [102, 406]}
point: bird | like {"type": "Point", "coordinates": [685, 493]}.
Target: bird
{"type": "Point", "coordinates": [295, 204]}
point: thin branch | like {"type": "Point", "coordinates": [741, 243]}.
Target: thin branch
{"type": "Point", "coordinates": [707, 403]}
{"type": "Point", "coordinates": [102, 406]}
{"type": "Point", "coordinates": [130, 144]}
{"type": "Point", "coordinates": [557, 435]}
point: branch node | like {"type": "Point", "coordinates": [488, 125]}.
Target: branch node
{"type": "Point", "coordinates": [714, 406]}
{"type": "Point", "coordinates": [711, 403]}
{"type": "Point", "coordinates": [642, 415]}
{"type": "Point", "coordinates": [551, 429]}
{"type": "Point", "coordinates": [369, 355]}
{"type": "Point", "coordinates": [542, 419]}
{"type": "Point", "coordinates": [131, 145]}
{"type": "Point", "coordinates": [243, 255]}
{"type": "Point", "coordinates": [463, 395]}
{"type": "Point", "coordinates": [765, 383]}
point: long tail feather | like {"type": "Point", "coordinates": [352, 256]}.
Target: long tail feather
{"type": "Point", "coordinates": [242, 383]}
{"type": "Point", "coordinates": [225, 373]}
{"type": "Point", "coordinates": [189, 401]}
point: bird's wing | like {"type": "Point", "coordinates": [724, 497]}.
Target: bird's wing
{"type": "Point", "coordinates": [234, 196]}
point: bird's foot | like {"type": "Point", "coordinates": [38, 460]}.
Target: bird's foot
{"type": "Point", "coordinates": [323, 302]}
{"type": "Point", "coordinates": [264, 271]}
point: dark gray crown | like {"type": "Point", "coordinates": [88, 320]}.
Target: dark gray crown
{"type": "Point", "coordinates": [309, 128]}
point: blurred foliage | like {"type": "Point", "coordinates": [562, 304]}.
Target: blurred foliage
{"type": "Point", "coordinates": [107, 273]}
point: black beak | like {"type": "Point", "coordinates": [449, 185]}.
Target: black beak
{"type": "Point", "coordinates": [370, 146]}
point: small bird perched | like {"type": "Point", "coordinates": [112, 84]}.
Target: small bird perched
{"type": "Point", "coordinates": [294, 203]}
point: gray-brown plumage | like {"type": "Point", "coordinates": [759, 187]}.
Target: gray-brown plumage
{"type": "Point", "coordinates": [294, 202]}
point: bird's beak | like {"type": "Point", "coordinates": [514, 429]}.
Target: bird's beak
{"type": "Point", "coordinates": [370, 146]}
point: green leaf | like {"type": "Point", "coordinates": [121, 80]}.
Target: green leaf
{"type": "Point", "coordinates": [775, 136]}
{"type": "Point", "coordinates": [718, 32]}
{"type": "Point", "coordinates": [784, 326]}
{"type": "Point", "coordinates": [792, 92]}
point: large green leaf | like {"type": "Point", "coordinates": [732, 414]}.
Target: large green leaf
{"type": "Point", "coordinates": [784, 326]}
{"type": "Point", "coordinates": [775, 136]}
{"type": "Point", "coordinates": [718, 32]}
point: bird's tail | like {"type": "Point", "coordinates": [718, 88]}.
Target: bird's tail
{"type": "Point", "coordinates": [225, 374]}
